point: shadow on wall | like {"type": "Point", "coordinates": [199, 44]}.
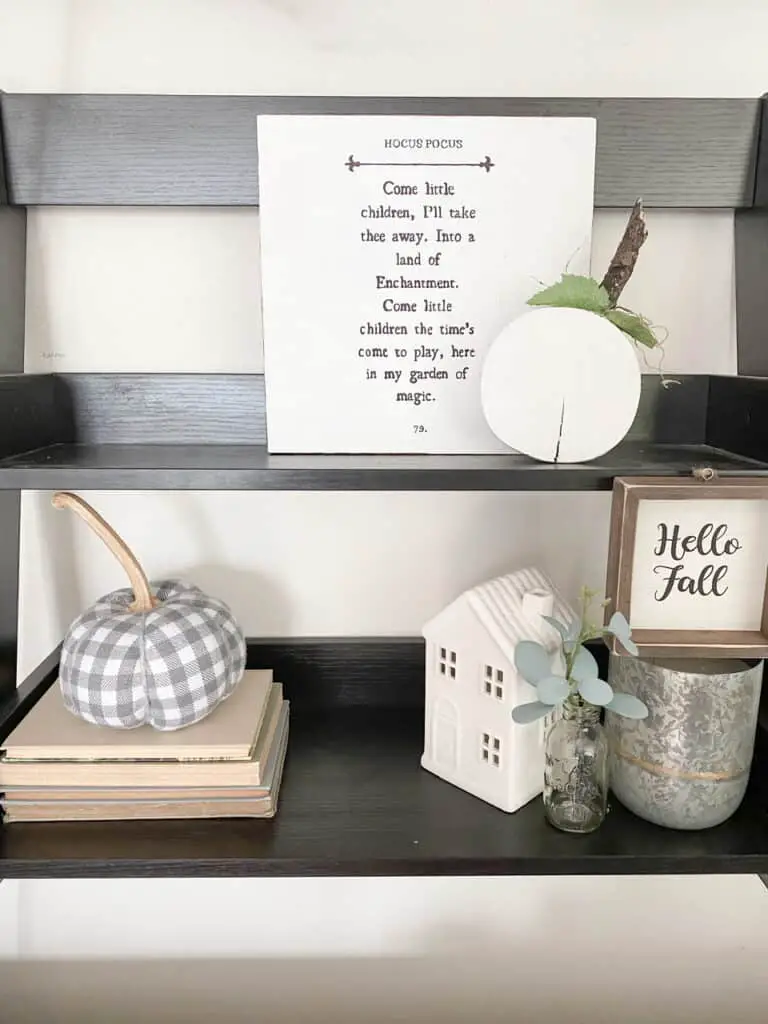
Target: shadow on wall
{"type": "Point", "coordinates": [250, 595]}
{"type": "Point", "coordinates": [245, 591]}
{"type": "Point", "coordinates": [490, 987]}
{"type": "Point", "coordinates": [58, 562]}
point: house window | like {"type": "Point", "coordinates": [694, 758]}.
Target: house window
{"type": "Point", "coordinates": [488, 680]}
{"type": "Point", "coordinates": [490, 750]}
{"type": "Point", "coordinates": [493, 682]}
{"type": "Point", "coordinates": [447, 663]}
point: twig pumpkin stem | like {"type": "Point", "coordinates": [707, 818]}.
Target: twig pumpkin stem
{"type": "Point", "coordinates": [143, 599]}
{"type": "Point", "coordinates": [624, 259]}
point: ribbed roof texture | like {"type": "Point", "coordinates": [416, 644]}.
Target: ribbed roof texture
{"type": "Point", "coordinates": [498, 605]}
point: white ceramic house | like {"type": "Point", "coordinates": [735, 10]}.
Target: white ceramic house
{"type": "Point", "coordinates": [472, 685]}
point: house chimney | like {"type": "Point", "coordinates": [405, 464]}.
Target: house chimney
{"type": "Point", "coordinates": [537, 603]}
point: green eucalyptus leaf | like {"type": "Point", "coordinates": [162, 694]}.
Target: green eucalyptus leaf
{"type": "Point", "coordinates": [572, 634]}
{"type": "Point", "coordinates": [552, 690]}
{"type": "Point", "coordinates": [525, 713]}
{"type": "Point", "coordinates": [596, 691]}
{"type": "Point", "coordinates": [621, 629]}
{"type": "Point", "coordinates": [628, 706]}
{"type": "Point", "coordinates": [532, 661]}
{"type": "Point", "coordinates": [619, 626]}
{"type": "Point", "coordinates": [561, 628]}
{"type": "Point", "coordinates": [636, 326]}
{"type": "Point", "coordinates": [584, 665]}
{"type": "Point", "coordinates": [574, 291]}
{"type": "Point", "coordinates": [629, 646]}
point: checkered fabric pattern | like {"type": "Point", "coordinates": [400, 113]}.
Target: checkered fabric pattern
{"type": "Point", "coordinates": [166, 668]}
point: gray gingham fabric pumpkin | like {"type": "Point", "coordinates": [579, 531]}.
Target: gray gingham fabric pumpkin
{"type": "Point", "coordinates": [162, 654]}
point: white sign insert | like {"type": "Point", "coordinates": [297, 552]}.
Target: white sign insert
{"type": "Point", "coordinates": [699, 564]}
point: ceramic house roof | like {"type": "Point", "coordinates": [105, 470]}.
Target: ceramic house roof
{"type": "Point", "coordinates": [498, 606]}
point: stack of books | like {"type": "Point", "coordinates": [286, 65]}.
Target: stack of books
{"type": "Point", "coordinates": [56, 767]}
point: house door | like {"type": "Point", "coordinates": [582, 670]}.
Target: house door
{"type": "Point", "coordinates": [445, 733]}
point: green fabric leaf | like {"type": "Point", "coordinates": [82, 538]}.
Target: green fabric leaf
{"type": "Point", "coordinates": [618, 625]}
{"type": "Point", "coordinates": [575, 291]}
{"type": "Point", "coordinates": [628, 706]}
{"type": "Point", "coordinates": [596, 691]}
{"type": "Point", "coordinates": [561, 628]}
{"type": "Point", "coordinates": [621, 629]}
{"type": "Point", "coordinates": [532, 661]}
{"type": "Point", "coordinates": [636, 326]}
{"type": "Point", "coordinates": [552, 690]}
{"type": "Point", "coordinates": [574, 628]}
{"type": "Point", "coordinates": [525, 713]}
{"type": "Point", "coordinates": [584, 665]}
{"type": "Point", "coordinates": [572, 633]}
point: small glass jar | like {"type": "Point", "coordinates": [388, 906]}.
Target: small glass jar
{"type": "Point", "coordinates": [576, 768]}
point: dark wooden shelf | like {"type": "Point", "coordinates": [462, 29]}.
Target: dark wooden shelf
{"type": "Point", "coordinates": [250, 467]}
{"type": "Point", "coordinates": [355, 801]}
{"type": "Point", "coordinates": [161, 150]}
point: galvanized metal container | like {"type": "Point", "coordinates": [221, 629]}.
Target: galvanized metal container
{"type": "Point", "coordinates": [685, 766]}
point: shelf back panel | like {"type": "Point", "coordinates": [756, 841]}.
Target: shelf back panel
{"type": "Point", "coordinates": [229, 409]}
{"type": "Point", "coordinates": [145, 150]}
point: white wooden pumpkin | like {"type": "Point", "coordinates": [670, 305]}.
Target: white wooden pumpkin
{"type": "Point", "coordinates": [561, 385]}
{"type": "Point", "coordinates": [162, 654]}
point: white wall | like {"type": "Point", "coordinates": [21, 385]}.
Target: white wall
{"type": "Point", "coordinates": [570, 950]}
{"type": "Point", "coordinates": [105, 285]}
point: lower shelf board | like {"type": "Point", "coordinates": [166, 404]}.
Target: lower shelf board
{"type": "Point", "coordinates": [355, 801]}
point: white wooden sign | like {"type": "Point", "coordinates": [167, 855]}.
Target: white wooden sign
{"type": "Point", "coordinates": [394, 250]}
{"type": "Point", "coordinates": [688, 564]}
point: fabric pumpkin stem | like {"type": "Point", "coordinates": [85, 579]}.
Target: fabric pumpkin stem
{"type": "Point", "coordinates": [142, 593]}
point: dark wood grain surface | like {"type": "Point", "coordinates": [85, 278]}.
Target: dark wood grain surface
{"type": "Point", "coordinates": [737, 412]}
{"type": "Point", "coordinates": [10, 519]}
{"type": "Point", "coordinates": [13, 269]}
{"type": "Point", "coordinates": [3, 175]}
{"type": "Point", "coordinates": [17, 701]}
{"type": "Point", "coordinates": [176, 408]}
{"type": "Point", "coordinates": [751, 266]}
{"type": "Point", "coordinates": [202, 150]}
{"type": "Point", "coordinates": [761, 160]}
{"type": "Point", "coordinates": [229, 408]}
{"type": "Point", "coordinates": [319, 674]}
{"type": "Point", "coordinates": [250, 467]}
{"type": "Point", "coordinates": [35, 411]}
{"type": "Point", "coordinates": [346, 673]}
{"type": "Point", "coordinates": [355, 801]}
{"type": "Point", "coordinates": [13, 422]}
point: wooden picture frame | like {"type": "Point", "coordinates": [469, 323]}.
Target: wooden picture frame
{"type": "Point", "coordinates": [692, 629]}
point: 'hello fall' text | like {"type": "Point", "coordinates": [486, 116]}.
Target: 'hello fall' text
{"type": "Point", "coordinates": [710, 542]}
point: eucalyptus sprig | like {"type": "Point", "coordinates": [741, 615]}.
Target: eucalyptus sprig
{"type": "Point", "coordinates": [581, 681]}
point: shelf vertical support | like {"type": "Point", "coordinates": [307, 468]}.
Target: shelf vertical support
{"type": "Point", "coordinates": [13, 255]}
{"type": "Point", "coordinates": [751, 256]}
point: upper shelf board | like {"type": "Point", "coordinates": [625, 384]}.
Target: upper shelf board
{"type": "Point", "coordinates": [250, 467]}
{"type": "Point", "coordinates": [144, 150]}
{"type": "Point", "coordinates": [201, 432]}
